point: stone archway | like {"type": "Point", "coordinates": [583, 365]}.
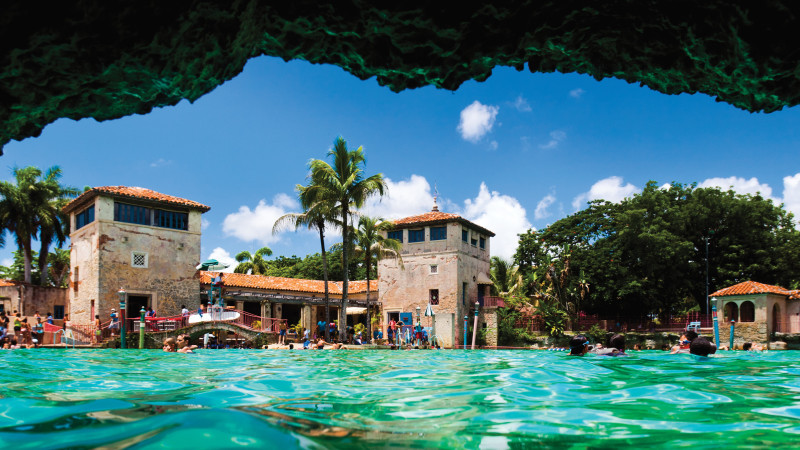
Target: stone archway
{"type": "Point", "coordinates": [731, 312]}
{"type": "Point", "coordinates": [776, 319]}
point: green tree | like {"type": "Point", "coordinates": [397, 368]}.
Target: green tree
{"type": "Point", "coordinates": [49, 197]}
{"type": "Point", "coordinates": [343, 187]}
{"type": "Point", "coordinates": [507, 280]}
{"type": "Point", "coordinates": [255, 263]}
{"type": "Point", "coordinates": [374, 247]}
{"type": "Point", "coordinates": [18, 212]}
{"type": "Point", "coordinates": [316, 216]}
{"type": "Point", "coordinates": [647, 254]}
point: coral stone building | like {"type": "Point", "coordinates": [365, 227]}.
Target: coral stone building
{"type": "Point", "coordinates": [759, 310]}
{"type": "Point", "coordinates": [137, 239]}
{"type": "Point", "coordinates": [445, 263]}
{"type": "Point", "coordinates": [297, 300]}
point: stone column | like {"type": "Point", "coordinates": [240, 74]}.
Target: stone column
{"type": "Point", "coordinates": [305, 316]}
{"type": "Point", "coordinates": [239, 305]}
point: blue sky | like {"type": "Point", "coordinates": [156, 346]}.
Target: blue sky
{"type": "Point", "coordinates": [519, 150]}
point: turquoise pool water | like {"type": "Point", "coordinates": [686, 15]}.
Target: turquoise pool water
{"type": "Point", "coordinates": [368, 399]}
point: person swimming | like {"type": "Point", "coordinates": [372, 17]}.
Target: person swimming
{"type": "Point", "coordinates": [578, 345]}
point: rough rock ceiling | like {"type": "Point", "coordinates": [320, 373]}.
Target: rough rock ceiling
{"type": "Point", "coordinates": [107, 59]}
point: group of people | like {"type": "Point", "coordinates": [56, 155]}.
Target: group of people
{"type": "Point", "coordinates": [396, 335]}
{"type": "Point", "coordinates": [17, 332]}
{"type": "Point", "coordinates": [579, 345]}
{"type": "Point", "coordinates": [689, 342]}
{"type": "Point", "coordinates": [180, 344]}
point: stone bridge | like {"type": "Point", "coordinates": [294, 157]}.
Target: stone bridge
{"type": "Point", "coordinates": [200, 328]}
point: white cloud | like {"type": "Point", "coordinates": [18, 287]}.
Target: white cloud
{"type": "Point", "coordinates": [501, 214]}
{"type": "Point", "coordinates": [160, 162]}
{"type": "Point", "coordinates": [610, 189]}
{"type": "Point", "coordinates": [7, 262]}
{"type": "Point", "coordinates": [576, 93]}
{"type": "Point", "coordinates": [522, 105]}
{"type": "Point", "coordinates": [403, 198]}
{"type": "Point", "coordinates": [204, 224]}
{"type": "Point", "coordinates": [791, 195]}
{"type": "Point", "coordinates": [556, 137]}
{"type": "Point", "coordinates": [493, 145]}
{"type": "Point", "coordinates": [542, 211]}
{"type": "Point", "coordinates": [222, 255]}
{"type": "Point", "coordinates": [739, 185]}
{"type": "Point", "coordinates": [476, 120]}
{"type": "Point", "coordinates": [256, 224]}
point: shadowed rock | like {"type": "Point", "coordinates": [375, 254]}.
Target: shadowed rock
{"type": "Point", "coordinates": [105, 59]}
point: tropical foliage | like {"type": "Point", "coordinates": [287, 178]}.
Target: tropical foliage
{"type": "Point", "coordinates": [343, 187]}
{"type": "Point", "coordinates": [253, 263]}
{"type": "Point", "coordinates": [647, 254]}
{"type": "Point", "coordinates": [30, 209]}
{"type": "Point", "coordinates": [374, 247]}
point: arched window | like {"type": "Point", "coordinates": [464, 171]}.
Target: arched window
{"type": "Point", "coordinates": [731, 312]}
{"type": "Point", "coordinates": [747, 312]}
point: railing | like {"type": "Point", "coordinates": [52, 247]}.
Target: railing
{"type": "Point", "coordinates": [244, 320]}
{"type": "Point", "coordinates": [642, 324]}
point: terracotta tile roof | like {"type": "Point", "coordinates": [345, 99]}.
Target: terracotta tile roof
{"type": "Point", "coordinates": [435, 218]}
{"type": "Point", "coordinates": [751, 287]}
{"type": "Point", "coordinates": [135, 193]}
{"type": "Point", "coordinates": [794, 295]}
{"type": "Point", "coordinates": [287, 284]}
{"type": "Point", "coordinates": [10, 283]}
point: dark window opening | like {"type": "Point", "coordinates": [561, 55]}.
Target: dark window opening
{"type": "Point", "coordinates": [747, 312]}
{"type": "Point", "coordinates": [396, 235]}
{"type": "Point", "coordinates": [483, 243]}
{"type": "Point", "coordinates": [416, 235]}
{"type": "Point", "coordinates": [58, 312]}
{"type": "Point", "coordinates": [465, 235]}
{"type": "Point", "coordinates": [140, 215]}
{"type": "Point", "coordinates": [434, 296]}
{"type": "Point", "coordinates": [131, 214]}
{"type": "Point", "coordinates": [438, 233]}
{"type": "Point", "coordinates": [84, 218]}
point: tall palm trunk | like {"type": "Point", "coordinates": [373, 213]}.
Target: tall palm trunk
{"type": "Point", "coordinates": [46, 239]}
{"type": "Point", "coordinates": [327, 332]}
{"type": "Point", "coordinates": [345, 274]}
{"type": "Point", "coordinates": [28, 258]}
{"type": "Point", "coordinates": [369, 323]}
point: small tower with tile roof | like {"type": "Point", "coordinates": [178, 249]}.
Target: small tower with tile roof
{"type": "Point", "coordinates": [445, 263]}
{"type": "Point", "coordinates": [137, 239]}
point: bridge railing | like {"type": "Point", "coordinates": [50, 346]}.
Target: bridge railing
{"type": "Point", "coordinates": [170, 323]}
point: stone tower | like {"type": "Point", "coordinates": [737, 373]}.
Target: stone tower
{"type": "Point", "coordinates": [445, 262]}
{"type": "Point", "coordinates": [133, 238]}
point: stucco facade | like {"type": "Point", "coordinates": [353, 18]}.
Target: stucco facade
{"type": "Point", "coordinates": [445, 262]}
{"type": "Point", "coordinates": [155, 265]}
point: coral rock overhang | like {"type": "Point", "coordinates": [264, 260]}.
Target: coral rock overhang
{"type": "Point", "coordinates": [105, 60]}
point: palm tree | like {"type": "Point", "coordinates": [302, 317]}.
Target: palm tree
{"type": "Point", "coordinates": [17, 212]}
{"type": "Point", "coordinates": [343, 187]}
{"type": "Point", "coordinates": [316, 216]}
{"type": "Point", "coordinates": [371, 243]}
{"type": "Point", "coordinates": [507, 281]}
{"type": "Point", "coordinates": [254, 264]}
{"type": "Point", "coordinates": [59, 266]}
{"type": "Point", "coordinates": [49, 197]}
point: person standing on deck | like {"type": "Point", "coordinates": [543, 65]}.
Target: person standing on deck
{"type": "Point", "coordinates": [114, 322]}
{"type": "Point", "coordinates": [98, 329]}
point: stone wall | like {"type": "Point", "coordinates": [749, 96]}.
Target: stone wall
{"type": "Point", "coordinates": [489, 318]}
{"type": "Point", "coordinates": [29, 299]}
{"type": "Point", "coordinates": [744, 332]}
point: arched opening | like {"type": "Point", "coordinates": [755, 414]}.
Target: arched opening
{"type": "Point", "coordinates": [731, 312]}
{"type": "Point", "coordinates": [747, 312]}
{"type": "Point", "coordinates": [776, 320]}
